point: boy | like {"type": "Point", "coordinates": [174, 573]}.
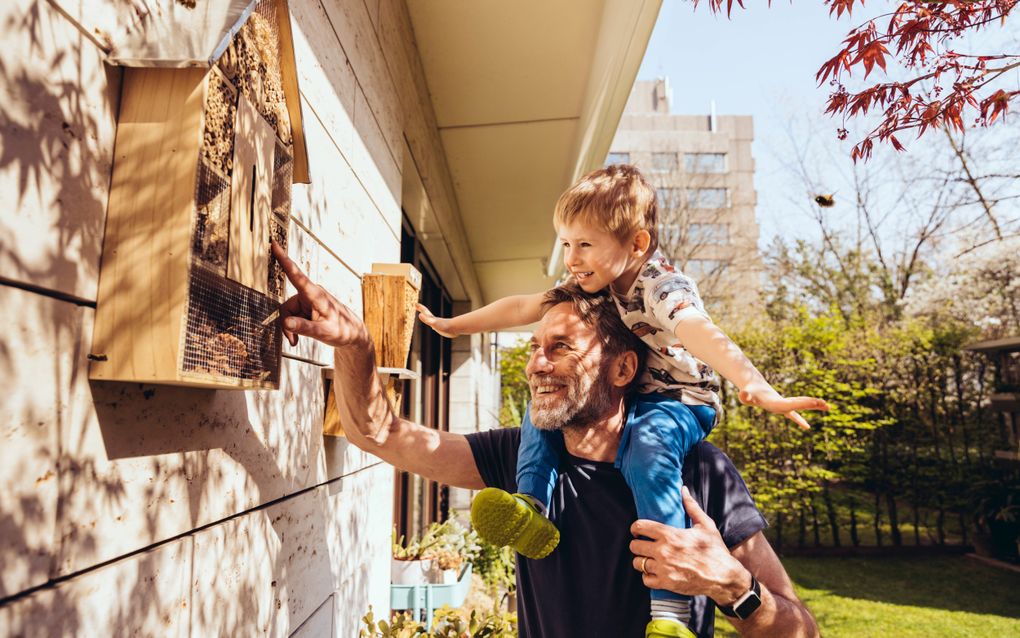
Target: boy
{"type": "Point", "coordinates": [607, 224]}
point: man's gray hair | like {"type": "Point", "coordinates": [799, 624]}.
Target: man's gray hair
{"type": "Point", "coordinates": [598, 311]}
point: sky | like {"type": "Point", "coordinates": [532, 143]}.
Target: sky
{"type": "Point", "coordinates": [762, 62]}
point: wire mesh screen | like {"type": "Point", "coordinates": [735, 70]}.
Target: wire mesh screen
{"type": "Point", "coordinates": [231, 331]}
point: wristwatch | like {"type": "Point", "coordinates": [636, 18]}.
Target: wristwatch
{"type": "Point", "coordinates": [746, 604]}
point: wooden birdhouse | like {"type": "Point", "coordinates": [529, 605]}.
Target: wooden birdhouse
{"type": "Point", "coordinates": [209, 141]}
{"type": "Point", "coordinates": [389, 297]}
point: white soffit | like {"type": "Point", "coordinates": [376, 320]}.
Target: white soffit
{"type": "Point", "coordinates": [527, 97]}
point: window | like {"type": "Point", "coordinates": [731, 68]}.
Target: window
{"type": "Point", "coordinates": [417, 501]}
{"type": "Point", "coordinates": [669, 235]}
{"type": "Point", "coordinates": [707, 197]}
{"type": "Point", "coordinates": [618, 158]}
{"type": "Point", "coordinates": [664, 162]}
{"type": "Point", "coordinates": [701, 268]}
{"type": "Point", "coordinates": [714, 234]}
{"type": "Point", "coordinates": [667, 198]}
{"type": "Point", "coordinates": [705, 162]}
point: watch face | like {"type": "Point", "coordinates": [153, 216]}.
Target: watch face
{"type": "Point", "coordinates": [748, 607]}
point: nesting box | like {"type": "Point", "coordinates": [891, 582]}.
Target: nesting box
{"type": "Point", "coordinates": [206, 151]}
{"type": "Point", "coordinates": [389, 297]}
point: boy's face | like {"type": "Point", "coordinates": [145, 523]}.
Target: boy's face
{"type": "Point", "coordinates": [593, 256]}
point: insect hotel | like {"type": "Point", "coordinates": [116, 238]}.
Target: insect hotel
{"type": "Point", "coordinates": [209, 141]}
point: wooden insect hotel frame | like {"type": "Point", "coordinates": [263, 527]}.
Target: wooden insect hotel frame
{"type": "Point", "coordinates": [389, 296]}
{"type": "Point", "coordinates": [209, 141]}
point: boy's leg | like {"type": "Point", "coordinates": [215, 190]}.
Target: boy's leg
{"type": "Point", "coordinates": [659, 434]}
{"type": "Point", "coordinates": [537, 461]}
{"type": "Point", "coordinates": [519, 520]}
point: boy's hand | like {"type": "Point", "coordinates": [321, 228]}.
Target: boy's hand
{"type": "Point", "coordinates": [764, 396]}
{"type": "Point", "coordinates": [440, 325]}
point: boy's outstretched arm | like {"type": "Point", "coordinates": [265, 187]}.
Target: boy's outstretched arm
{"type": "Point", "coordinates": [508, 312]}
{"type": "Point", "coordinates": [706, 341]}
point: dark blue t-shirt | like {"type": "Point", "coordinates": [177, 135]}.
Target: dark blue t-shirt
{"type": "Point", "coordinates": [588, 587]}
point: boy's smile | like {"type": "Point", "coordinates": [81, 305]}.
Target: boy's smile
{"type": "Point", "coordinates": [596, 258]}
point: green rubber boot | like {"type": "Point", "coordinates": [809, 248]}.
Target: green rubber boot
{"type": "Point", "coordinates": [502, 518]}
{"type": "Point", "coordinates": [664, 628]}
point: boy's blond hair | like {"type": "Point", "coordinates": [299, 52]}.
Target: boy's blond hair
{"type": "Point", "coordinates": [616, 199]}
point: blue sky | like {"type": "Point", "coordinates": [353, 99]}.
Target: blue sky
{"type": "Point", "coordinates": [760, 62]}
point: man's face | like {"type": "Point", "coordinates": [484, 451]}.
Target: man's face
{"type": "Point", "coordinates": [565, 372]}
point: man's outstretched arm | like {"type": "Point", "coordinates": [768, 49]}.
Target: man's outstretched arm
{"type": "Point", "coordinates": [696, 562]}
{"type": "Point", "coordinates": [368, 419]}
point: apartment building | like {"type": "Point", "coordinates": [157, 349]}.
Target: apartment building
{"type": "Point", "coordinates": [703, 171]}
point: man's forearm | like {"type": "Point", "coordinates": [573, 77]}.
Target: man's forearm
{"type": "Point", "coordinates": [777, 616]}
{"type": "Point", "coordinates": [781, 613]}
{"type": "Point", "coordinates": [370, 423]}
{"type": "Point", "coordinates": [364, 411]}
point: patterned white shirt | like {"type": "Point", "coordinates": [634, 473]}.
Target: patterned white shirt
{"type": "Point", "coordinates": [658, 299]}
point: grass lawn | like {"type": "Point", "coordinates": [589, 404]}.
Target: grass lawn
{"type": "Point", "coordinates": [905, 597]}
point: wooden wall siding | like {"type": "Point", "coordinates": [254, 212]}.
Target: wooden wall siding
{"type": "Point", "coordinates": [56, 147]}
{"type": "Point", "coordinates": [93, 472]}
{"type": "Point", "coordinates": [338, 210]}
{"type": "Point", "coordinates": [319, 624]}
{"type": "Point", "coordinates": [360, 42]}
{"type": "Point", "coordinates": [30, 417]}
{"type": "Point", "coordinates": [235, 488]}
{"type": "Point", "coordinates": [265, 572]}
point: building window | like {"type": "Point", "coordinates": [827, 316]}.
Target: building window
{"type": "Point", "coordinates": [702, 268]}
{"type": "Point", "coordinates": [707, 198]}
{"type": "Point", "coordinates": [618, 158]}
{"type": "Point", "coordinates": [664, 163]}
{"type": "Point", "coordinates": [708, 234]}
{"type": "Point", "coordinates": [418, 502]}
{"type": "Point", "coordinates": [705, 162]}
{"type": "Point", "coordinates": [668, 199]}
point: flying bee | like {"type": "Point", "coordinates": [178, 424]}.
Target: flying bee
{"type": "Point", "coordinates": [826, 201]}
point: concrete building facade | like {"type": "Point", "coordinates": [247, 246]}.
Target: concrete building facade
{"type": "Point", "coordinates": [438, 133]}
{"type": "Point", "coordinates": [703, 171]}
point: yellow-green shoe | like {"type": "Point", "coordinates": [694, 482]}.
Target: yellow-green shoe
{"type": "Point", "coordinates": [502, 518]}
{"type": "Point", "coordinates": [665, 628]}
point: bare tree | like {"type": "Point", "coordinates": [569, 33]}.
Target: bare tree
{"type": "Point", "coordinates": [700, 233]}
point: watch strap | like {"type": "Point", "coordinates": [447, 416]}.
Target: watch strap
{"type": "Point", "coordinates": [746, 604]}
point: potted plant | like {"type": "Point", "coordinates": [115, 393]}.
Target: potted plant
{"type": "Point", "coordinates": [412, 561]}
{"type": "Point", "coordinates": [437, 557]}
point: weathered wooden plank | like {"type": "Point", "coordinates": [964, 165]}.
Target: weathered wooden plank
{"type": "Point", "coordinates": [353, 25]}
{"type": "Point", "coordinates": [369, 148]}
{"type": "Point", "coordinates": [29, 418]}
{"type": "Point", "coordinates": [327, 79]}
{"type": "Point", "coordinates": [319, 624]}
{"type": "Point", "coordinates": [146, 595]}
{"type": "Point", "coordinates": [57, 129]}
{"type": "Point", "coordinates": [265, 572]}
{"type": "Point", "coordinates": [127, 465]}
{"type": "Point", "coordinates": [338, 210]}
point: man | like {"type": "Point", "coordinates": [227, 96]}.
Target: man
{"type": "Point", "coordinates": [583, 361]}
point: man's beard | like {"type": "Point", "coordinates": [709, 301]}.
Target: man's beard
{"type": "Point", "coordinates": [587, 399]}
